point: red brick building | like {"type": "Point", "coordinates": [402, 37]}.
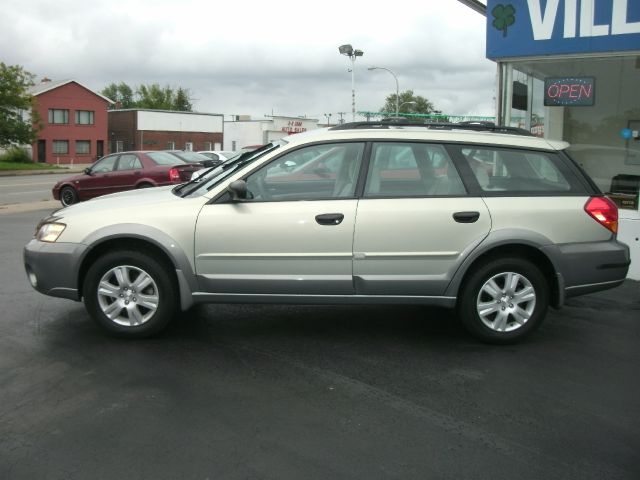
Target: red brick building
{"type": "Point", "coordinates": [144, 129]}
{"type": "Point", "coordinates": [74, 123]}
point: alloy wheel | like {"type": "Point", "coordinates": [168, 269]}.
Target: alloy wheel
{"type": "Point", "coordinates": [506, 301]}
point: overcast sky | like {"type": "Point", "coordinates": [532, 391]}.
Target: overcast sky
{"type": "Point", "coordinates": [259, 57]}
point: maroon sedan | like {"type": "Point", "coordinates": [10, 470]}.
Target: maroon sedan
{"type": "Point", "coordinates": [124, 171]}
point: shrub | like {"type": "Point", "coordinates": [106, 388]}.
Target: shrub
{"type": "Point", "coordinates": [15, 155]}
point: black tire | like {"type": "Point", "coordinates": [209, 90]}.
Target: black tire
{"type": "Point", "coordinates": [68, 196]}
{"type": "Point", "coordinates": [145, 185]}
{"type": "Point", "coordinates": [510, 312]}
{"type": "Point", "coordinates": [138, 291]}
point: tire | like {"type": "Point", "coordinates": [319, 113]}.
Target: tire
{"type": "Point", "coordinates": [504, 300]}
{"type": "Point", "coordinates": [68, 196]}
{"type": "Point", "coordinates": [114, 298]}
{"type": "Point", "coordinates": [145, 185]}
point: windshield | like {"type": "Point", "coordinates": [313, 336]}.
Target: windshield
{"type": "Point", "coordinates": [213, 176]}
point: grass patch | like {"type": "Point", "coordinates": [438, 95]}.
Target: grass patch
{"type": "Point", "coordinates": [6, 166]}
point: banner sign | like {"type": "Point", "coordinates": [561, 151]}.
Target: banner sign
{"type": "Point", "coordinates": [569, 91]}
{"type": "Point", "coordinates": [521, 28]}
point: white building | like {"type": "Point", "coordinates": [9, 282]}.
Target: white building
{"type": "Point", "coordinates": [244, 132]}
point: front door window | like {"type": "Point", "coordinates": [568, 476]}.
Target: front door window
{"type": "Point", "coordinates": [314, 172]}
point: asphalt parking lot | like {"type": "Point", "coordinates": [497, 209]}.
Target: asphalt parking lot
{"type": "Point", "coordinates": [274, 392]}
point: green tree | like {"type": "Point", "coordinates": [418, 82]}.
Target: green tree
{"type": "Point", "coordinates": [151, 96]}
{"type": "Point", "coordinates": [15, 101]}
{"type": "Point", "coordinates": [155, 97]}
{"type": "Point", "coordinates": [408, 103]}
{"type": "Point", "coordinates": [182, 100]}
{"type": "Point", "coordinates": [121, 93]}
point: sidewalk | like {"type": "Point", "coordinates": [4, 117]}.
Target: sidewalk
{"type": "Point", "coordinates": [64, 169]}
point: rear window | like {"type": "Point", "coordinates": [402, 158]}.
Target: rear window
{"type": "Point", "coordinates": [520, 171]}
{"type": "Point", "coordinates": [164, 158]}
{"type": "Point", "coordinates": [190, 157]}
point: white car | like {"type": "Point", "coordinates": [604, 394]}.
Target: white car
{"type": "Point", "coordinates": [495, 224]}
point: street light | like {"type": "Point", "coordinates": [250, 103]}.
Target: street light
{"type": "Point", "coordinates": [352, 53]}
{"type": "Point", "coordinates": [406, 103]}
{"type": "Point", "coordinates": [397, 86]}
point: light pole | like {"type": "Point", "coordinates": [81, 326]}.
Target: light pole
{"type": "Point", "coordinates": [397, 86]}
{"type": "Point", "coordinates": [352, 53]}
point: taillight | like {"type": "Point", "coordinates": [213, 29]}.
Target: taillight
{"type": "Point", "coordinates": [604, 211]}
{"type": "Point", "coordinates": [174, 175]}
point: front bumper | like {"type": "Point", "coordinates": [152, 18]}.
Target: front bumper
{"type": "Point", "coordinates": [52, 268]}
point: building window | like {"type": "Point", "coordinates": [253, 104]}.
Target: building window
{"type": "Point", "coordinates": [83, 146]}
{"type": "Point", "coordinates": [171, 145]}
{"type": "Point", "coordinates": [61, 146]}
{"type": "Point", "coordinates": [84, 117]}
{"type": "Point", "coordinates": [119, 146]}
{"type": "Point", "coordinates": [188, 146]}
{"type": "Point", "coordinates": [58, 115]}
{"type": "Point", "coordinates": [207, 146]}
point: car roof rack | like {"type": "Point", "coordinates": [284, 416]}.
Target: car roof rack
{"type": "Point", "coordinates": [403, 122]}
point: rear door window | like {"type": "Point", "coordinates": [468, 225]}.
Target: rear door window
{"type": "Point", "coordinates": [129, 161]}
{"type": "Point", "coordinates": [411, 170]}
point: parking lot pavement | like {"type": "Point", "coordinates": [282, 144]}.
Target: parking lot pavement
{"type": "Point", "coordinates": [283, 392]}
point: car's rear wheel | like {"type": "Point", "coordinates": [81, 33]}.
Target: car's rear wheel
{"type": "Point", "coordinates": [144, 185]}
{"type": "Point", "coordinates": [503, 300]}
{"type": "Point", "coordinates": [130, 294]}
{"type": "Point", "coordinates": [68, 196]}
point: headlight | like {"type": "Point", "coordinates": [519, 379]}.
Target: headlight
{"type": "Point", "coordinates": [49, 232]}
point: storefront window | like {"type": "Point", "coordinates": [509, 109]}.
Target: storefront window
{"type": "Point", "coordinates": [592, 103]}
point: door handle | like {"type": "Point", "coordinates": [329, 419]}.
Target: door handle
{"type": "Point", "coordinates": [330, 218]}
{"type": "Point", "coordinates": [466, 217]}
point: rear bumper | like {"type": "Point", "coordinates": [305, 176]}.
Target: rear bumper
{"type": "Point", "coordinates": [52, 268]}
{"type": "Point", "coordinates": [591, 266]}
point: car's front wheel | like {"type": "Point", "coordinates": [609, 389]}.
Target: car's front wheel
{"type": "Point", "coordinates": [130, 293]}
{"type": "Point", "coordinates": [503, 300]}
{"type": "Point", "coordinates": [68, 196]}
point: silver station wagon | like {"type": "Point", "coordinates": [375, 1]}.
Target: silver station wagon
{"type": "Point", "coordinates": [487, 220]}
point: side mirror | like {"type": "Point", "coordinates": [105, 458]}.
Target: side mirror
{"type": "Point", "coordinates": [87, 171]}
{"type": "Point", "coordinates": [238, 190]}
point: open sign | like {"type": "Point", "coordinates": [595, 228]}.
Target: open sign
{"type": "Point", "coordinates": [569, 91]}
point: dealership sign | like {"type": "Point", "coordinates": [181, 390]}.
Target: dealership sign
{"type": "Point", "coordinates": [520, 28]}
{"type": "Point", "coordinates": [569, 91]}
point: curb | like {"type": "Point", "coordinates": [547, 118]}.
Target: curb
{"type": "Point", "coordinates": [19, 173]}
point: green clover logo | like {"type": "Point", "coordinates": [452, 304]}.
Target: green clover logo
{"type": "Point", "coordinates": [505, 16]}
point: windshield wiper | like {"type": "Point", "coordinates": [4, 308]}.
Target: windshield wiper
{"type": "Point", "coordinates": [234, 163]}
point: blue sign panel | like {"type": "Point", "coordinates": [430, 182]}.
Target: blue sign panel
{"type": "Point", "coordinates": [521, 28]}
{"type": "Point", "coordinates": [569, 91]}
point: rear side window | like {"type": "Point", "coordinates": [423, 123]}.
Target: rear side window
{"type": "Point", "coordinates": [411, 170]}
{"type": "Point", "coordinates": [519, 171]}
